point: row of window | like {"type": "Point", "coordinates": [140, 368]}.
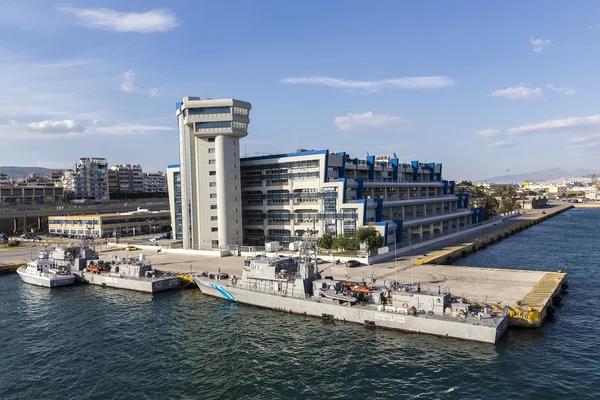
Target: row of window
{"type": "Point", "coordinates": [207, 111]}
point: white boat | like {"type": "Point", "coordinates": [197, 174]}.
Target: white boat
{"type": "Point", "coordinates": [46, 271]}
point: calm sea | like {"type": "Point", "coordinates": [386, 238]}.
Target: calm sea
{"type": "Point", "coordinates": [85, 342]}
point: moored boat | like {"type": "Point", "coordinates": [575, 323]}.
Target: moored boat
{"type": "Point", "coordinates": [296, 287]}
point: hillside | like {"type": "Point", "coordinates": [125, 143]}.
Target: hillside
{"type": "Point", "coordinates": [21, 172]}
{"type": "Point", "coordinates": [544, 175]}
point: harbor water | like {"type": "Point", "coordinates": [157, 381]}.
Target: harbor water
{"type": "Point", "coordinates": [86, 342]}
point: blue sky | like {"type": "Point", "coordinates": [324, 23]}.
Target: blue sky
{"type": "Point", "coordinates": [479, 86]}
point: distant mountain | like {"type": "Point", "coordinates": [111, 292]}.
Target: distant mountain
{"type": "Point", "coordinates": [544, 175]}
{"type": "Point", "coordinates": [22, 172]}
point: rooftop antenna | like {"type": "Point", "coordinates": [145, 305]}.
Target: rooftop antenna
{"type": "Point", "coordinates": [395, 156]}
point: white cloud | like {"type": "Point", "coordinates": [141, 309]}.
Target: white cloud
{"type": "Point", "coordinates": [584, 138]}
{"type": "Point", "coordinates": [519, 91]}
{"type": "Point", "coordinates": [487, 132]}
{"type": "Point", "coordinates": [539, 44]}
{"type": "Point", "coordinates": [158, 20]}
{"type": "Point", "coordinates": [561, 90]}
{"type": "Point", "coordinates": [69, 129]}
{"type": "Point", "coordinates": [66, 126]}
{"type": "Point", "coordinates": [501, 144]}
{"type": "Point", "coordinates": [128, 86]}
{"type": "Point", "coordinates": [423, 82]}
{"type": "Point", "coordinates": [556, 125]}
{"type": "Point", "coordinates": [371, 121]}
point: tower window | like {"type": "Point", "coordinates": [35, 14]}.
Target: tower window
{"type": "Point", "coordinates": [211, 150]}
{"type": "Point", "coordinates": [212, 184]}
{"type": "Point", "coordinates": [211, 139]}
{"type": "Point", "coordinates": [211, 173]}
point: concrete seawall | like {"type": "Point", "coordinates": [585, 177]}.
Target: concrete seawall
{"type": "Point", "coordinates": [451, 254]}
{"type": "Point", "coordinates": [9, 268]}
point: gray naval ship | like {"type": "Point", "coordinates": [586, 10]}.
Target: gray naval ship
{"type": "Point", "coordinates": [295, 286]}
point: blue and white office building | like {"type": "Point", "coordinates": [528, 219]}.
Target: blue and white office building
{"type": "Point", "coordinates": [283, 195]}
{"type": "Point", "coordinates": [218, 198]}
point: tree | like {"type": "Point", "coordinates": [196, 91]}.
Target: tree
{"type": "Point", "coordinates": [343, 242]}
{"type": "Point", "coordinates": [61, 199]}
{"type": "Point", "coordinates": [18, 200]}
{"type": "Point", "coordinates": [508, 202]}
{"type": "Point", "coordinates": [368, 235]}
{"type": "Point", "coordinates": [3, 199]}
{"type": "Point", "coordinates": [326, 241]}
{"type": "Point", "coordinates": [33, 199]}
{"type": "Point", "coordinates": [490, 206]}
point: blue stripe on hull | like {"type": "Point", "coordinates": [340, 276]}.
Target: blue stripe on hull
{"type": "Point", "coordinates": [226, 295]}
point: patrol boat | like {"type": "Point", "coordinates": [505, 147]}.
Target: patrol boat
{"type": "Point", "coordinates": [54, 267]}
{"type": "Point", "coordinates": [128, 273]}
{"type": "Point", "coordinates": [295, 286]}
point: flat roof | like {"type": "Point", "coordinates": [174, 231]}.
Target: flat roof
{"type": "Point", "coordinates": [100, 216]}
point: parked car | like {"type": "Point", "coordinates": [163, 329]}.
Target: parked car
{"type": "Point", "coordinates": [131, 248]}
{"type": "Point", "coordinates": [352, 263]}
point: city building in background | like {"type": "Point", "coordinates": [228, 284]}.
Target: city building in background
{"type": "Point", "coordinates": [16, 194]}
{"type": "Point", "coordinates": [5, 179]}
{"type": "Point", "coordinates": [90, 180]}
{"type": "Point", "coordinates": [56, 176]}
{"type": "Point", "coordinates": [141, 222]}
{"type": "Point", "coordinates": [209, 142]}
{"type": "Point", "coordinates": [125, 178]}
{"type": "Point", "coordinates": [155, 182]}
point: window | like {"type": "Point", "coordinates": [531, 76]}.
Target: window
{"type": "Point", "coordinates": [213, 218]}
{"type": "Point", "coordinates": [211, 173]}
{"type": "Point", "coordinates": [213, 206]}
{"type": "Point", "coordinates": [234, 154]}
{"type": "Point", "coordinates": [214, 229]}
{"type": "Point", "coordinates": [211, 150]}
{"type": "Point", "coordinates": [213, 126]}
{"type": "Point", "coordinates": [213, 195]}
{"type": "Point", "coordinates": [211, 161]}
{"type": "Point", "coordinates": [213, 184]}
{"type": "Point", "coordinates": [211, 139]}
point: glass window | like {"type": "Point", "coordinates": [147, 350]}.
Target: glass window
{"type": "Point", "coordinates": [213, 218]}
{"type": "Point", "coordinates": [209, 110]}
{"type": "Point", "coordinates": [211, 150]}
{"type": "Point", "coordinates": [213, 184]}
{"type": "Point", "coordinates": [211, 161]}
{"type": "Point", "coordinates": [211, 173]}
{"type": "Point", "coordinates": [211, 126]}
{"type": "Point", "coordinates": [214, 229]}
{"type": "Point", "coordinates": [213, 206]}
{"type": "Point", "coordinates": [213, 195]}
{"type": "Point", "coordinates": [212, 139]}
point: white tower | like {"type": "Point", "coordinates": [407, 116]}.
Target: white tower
{"type": "Point", "coordinates": [209, 140]}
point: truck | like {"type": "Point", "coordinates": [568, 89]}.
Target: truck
{"type": "Point", "coordinates": [272, 246]}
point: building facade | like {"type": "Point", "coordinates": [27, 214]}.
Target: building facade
{"type": "Point", "coordinates": [141, 222]}
{"type": "Point", "coordinates": [209, 137]}
{"type": "Point", "coordinates": [284, 195]}
{"type": "Point", "coordinates": [174, 188]}
{"type": "Point", "coordinates": [90, 179]}
{"type": "Point", "coordinates": [14, 194]}
{"type": "Point", "coordinates": [125, 178]}
{"type": "Point", "coordinates": [155, 182]}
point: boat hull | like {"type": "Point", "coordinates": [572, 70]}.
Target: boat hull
{"type": "Point", "coordinates": [447, 327]}
{"type": "Point", "coordinates": [138, 285]}
{"type": "Point", "coordinates": [49, 282]}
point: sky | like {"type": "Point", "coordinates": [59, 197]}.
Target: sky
{"type": "Point", "coordinates": [482, 87]}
